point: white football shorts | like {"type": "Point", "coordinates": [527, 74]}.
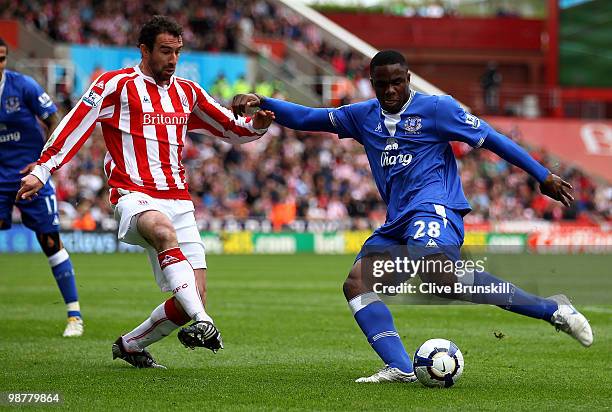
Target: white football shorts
{"type": "Point", "coordinates": [180, 213]}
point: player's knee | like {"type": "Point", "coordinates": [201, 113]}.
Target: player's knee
{"type": "Point", "coordinates": [348, 287]}
{"type": "Point", "coordinates": [50, 243]}
{"type": "Point", "coordinates": [165, 234]}
{"type": "Point", "coordinates": [353, 285]}
{"type": "Point", "coordinates": [157, 229]}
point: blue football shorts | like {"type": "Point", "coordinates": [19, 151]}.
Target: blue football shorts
{"type": "Point", "coordinates": [428, 230]}
{"type": "Point", "coordinates": [39, 214]}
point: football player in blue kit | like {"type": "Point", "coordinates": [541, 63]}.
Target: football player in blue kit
{"type": "Point", "coordinates": [406, 136]}
{"type": "Point", "coordinates": [22, 104]}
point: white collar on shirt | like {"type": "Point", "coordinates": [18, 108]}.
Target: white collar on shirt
{"type": "Point", "coordinates": [137, 70]}
{"type": "Point", "coordinates": [392, 119]}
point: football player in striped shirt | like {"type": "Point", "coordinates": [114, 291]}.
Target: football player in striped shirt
{"type": "Point", "coordinates": [145, 112]}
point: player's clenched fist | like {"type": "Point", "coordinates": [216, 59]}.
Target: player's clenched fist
{"type": "Point", "coordinates": [30, 185]}
{"type": "Point", "coordinates": [241, 103]}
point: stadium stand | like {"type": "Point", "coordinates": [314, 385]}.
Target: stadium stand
{"type": "Point", "coordinates": [287, 177]}
{"type": "Point", "coordinates": [210, 25]}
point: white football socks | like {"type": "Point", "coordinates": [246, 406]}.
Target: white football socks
{"type": "Point", "coordinates": [181, 278]}
{"type": "Point", "coordinates": [150, 331]}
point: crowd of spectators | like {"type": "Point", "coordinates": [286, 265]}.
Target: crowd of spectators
{"type": "Point", "coordinates": [498, 191]}
{"type": "Point", "coordinates": [431, 9]}
{"type": "Point", "coordinates": [209, 25]}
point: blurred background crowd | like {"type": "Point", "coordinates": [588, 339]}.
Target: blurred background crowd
{"type": "Point", "coordinates": [286, 176]}
{"type": "Point", "coordinates": [209, 25]}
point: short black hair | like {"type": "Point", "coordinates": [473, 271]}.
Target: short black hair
{"type": "Point", "coordinates": [384, 57]}
{"type": "Point", "coordinates": [158, 25]}
{"type": "Point", "coordinates": [3, 44]}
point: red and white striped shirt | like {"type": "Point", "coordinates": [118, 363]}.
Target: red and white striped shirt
{"type": "Point", "coordinates": [144, 127]}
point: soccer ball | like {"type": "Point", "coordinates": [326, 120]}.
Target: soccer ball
{"type": "Point", "coordinates": [438, 363]}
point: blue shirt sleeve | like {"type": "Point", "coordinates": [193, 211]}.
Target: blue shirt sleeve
{"type": "Point", "coordinates": [454, 123]}
{"type": "Point", "coordinates": [298, 117]}
{"type": "Point", "coordinates": [515, 154]}
{"type": "Point", "coordinates": [36, 99]}
{"type": "Point", "coordinates": [340, 121]}
{"type": "Point", "coordinates": [343, 119]}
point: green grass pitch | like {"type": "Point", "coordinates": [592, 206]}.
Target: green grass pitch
{"type": "Point", "coordinates": [290, 343]}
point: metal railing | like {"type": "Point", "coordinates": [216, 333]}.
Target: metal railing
{"type": "Point", "coordinates": [56, 76]}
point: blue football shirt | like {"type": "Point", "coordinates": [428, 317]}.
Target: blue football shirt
{"type": "Point", "coordinates": [22, 100]}
{"type": "Point", "coordinates": [410, 153]}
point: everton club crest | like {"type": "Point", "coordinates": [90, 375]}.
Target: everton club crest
{"type": "Point", "coordinates": [412, 124]}
{"type": "Point", "coordinates": [11, 104]}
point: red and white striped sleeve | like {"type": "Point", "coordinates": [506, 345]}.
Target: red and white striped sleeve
{"type": "Point", "coordinates": [209, 117]}
{"type": "Point", "coordinates": [76, 127]}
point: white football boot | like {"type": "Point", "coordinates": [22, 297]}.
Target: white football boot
{"type": "Point", "coordinates": [388, 374]}
{"type": "Point", "coordinates": [74, 327]}
{"type": "Point", "coordinates": [570, 321]}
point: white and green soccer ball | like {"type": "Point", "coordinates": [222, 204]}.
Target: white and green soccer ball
{"type": "Point", "coordinates": [438, 363]}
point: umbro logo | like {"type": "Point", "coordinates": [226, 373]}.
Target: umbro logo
{"type": "Point", "coordinates": [168, 260]}
{"type": "Point", "coordinates": [378, 128]}
{"type": "Point", "coordinates": [100, 84]}
{"type": "Point", "coordinates": [431, 243]}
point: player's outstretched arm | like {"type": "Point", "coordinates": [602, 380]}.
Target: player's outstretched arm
{"type": "Point", "coordinates": [67, 138]}
{"type": "Point", "coordinates": [210, 118]}
{"type": "Point", "coordinates": [454, 123]}
{"type": "Point", "coordinates": [550, 184]}
{"type": "Point", "coordinates": [291, 115]}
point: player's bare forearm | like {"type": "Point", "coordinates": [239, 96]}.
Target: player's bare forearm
{"type": "Point", "coordinates": [51, 123]}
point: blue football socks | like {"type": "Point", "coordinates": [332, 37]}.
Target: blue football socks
{"type": "Point", "coordinates": [61, 266]}
{"type": "Point", "coordinates": [512, 298]}
{"type": "Point", "coordinates": [376, 322]}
